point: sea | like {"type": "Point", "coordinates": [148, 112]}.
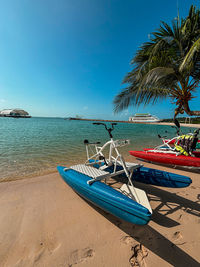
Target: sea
{"type": "Point", "coordinates": [35, 146]}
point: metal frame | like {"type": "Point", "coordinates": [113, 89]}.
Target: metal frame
{"type": "Point", "coordinates": [166, 147]}
{"type": "Point", "coordinates": [128, 168]}
{"type": "Point", "coordinates": [100, 173]}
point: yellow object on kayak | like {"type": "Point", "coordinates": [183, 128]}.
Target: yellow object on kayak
{"type": "Point", "coordinates": [183, 144]}
{"type": "Point", "coordinates": [181, 150]}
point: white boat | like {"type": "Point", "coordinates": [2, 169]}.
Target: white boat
{"type": "Point", "coordinates": [144, 117]}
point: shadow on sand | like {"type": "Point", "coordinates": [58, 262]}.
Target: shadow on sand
{"type": "Point", "coordinates": [170, 202]}
{"type": "Point", "coordinates": [151, 238]}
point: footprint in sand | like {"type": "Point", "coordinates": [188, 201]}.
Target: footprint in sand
{"type": "Point", "coordinates": [180, 217]}
{"type": "Point", "coordinates": [178, 238]}
{"type": "Point", "coordinates": [140, 252]}
{"type": "Point", "coordinates": [38, 255]}
{"type": "Point", "coordinates": [177, 235]}
{"type": "Point", "coordinates": [128, 240]}
{"type": "Point", "coordinates": [80, 255]}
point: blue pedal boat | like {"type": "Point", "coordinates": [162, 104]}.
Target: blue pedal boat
{"type": "Point", "coordinates": [127, 202]}
{"type": "Point", "coordinates": [109, 199]}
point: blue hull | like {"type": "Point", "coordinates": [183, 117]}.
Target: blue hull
{"type": "Point", "coordinates": [160, 178]}
{"type": "Point", "coordinates": [156, 177]}
{"type": "Point", "coordinates": [106, 197]}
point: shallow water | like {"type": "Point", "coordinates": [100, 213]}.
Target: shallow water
{"type": "Point", "coordinates": [37, 145]}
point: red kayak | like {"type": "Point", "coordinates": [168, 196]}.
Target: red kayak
{"type": "Point", "coordinates": [168, 158]}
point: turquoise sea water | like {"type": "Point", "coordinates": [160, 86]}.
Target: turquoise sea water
{"type": "Point", "coordinates": [29, 147]}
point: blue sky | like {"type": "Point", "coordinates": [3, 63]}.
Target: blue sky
{"type": "Point", "coordinates": [66, 58]}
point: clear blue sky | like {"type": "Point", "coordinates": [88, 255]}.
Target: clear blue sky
{"type": "Point", "coordinates": [68, 57]}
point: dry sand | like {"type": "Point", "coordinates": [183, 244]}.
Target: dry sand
{"type": "Point", "coordinates": [181, 124]}
{"type": "Point", "coordinates": [45, 223]}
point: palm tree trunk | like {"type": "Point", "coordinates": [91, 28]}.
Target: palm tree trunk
{"type": "Point", "coordinates": [178, 110]}
{"type": "Point", "coordinates": [190, 112]}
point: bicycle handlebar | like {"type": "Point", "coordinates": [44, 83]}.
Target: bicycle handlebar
{"type": "Point", "coordinates": [107, 129]}
{"type": "Point", "coordinates": [97, 123]}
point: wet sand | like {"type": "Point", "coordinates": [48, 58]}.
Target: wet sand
{"type": "Point", "coordinates": [45, 223]}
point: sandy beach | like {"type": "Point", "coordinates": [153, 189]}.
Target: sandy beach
{"type": "Point", "coordinates": [45, 223]}
{"type": "Point", "coordinates": [181, 124]}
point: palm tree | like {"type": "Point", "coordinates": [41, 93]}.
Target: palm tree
{"type": "Point", "coordinates": [166, 66]}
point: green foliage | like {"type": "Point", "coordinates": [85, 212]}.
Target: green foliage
{"type": "Point", "coordinates": [166, 66]}
{"type": "Point", "coordinates": [194, 120]}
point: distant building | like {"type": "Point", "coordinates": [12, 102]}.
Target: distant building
{"type": "Point", "coordinates": [144, 117]}
{"type": "Point", "coordinates": [16, 113]}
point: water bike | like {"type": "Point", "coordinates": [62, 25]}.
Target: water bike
{"type": "Point", "coordinates": [180, 150]}
{"type": "Point", "coordinates": [179, 135]}
{"type": "Point", "coordinates": [92, 180]}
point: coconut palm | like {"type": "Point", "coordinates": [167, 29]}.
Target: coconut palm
{"type": "Point", "coordinates": [166, 66]}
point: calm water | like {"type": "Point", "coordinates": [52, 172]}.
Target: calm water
{"type": "Point", "coordinates": [35, 146]}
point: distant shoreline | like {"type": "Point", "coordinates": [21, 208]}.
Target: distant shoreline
{"type": "Point", "coordinates": [131, 122]}
{"type": "Point", "coordinates": [79, 119]}
{"type": "Point", "coordinates": [181, 124]}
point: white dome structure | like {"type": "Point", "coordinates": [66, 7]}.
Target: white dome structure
{"type": "Point", "coordinates": [16, 113]}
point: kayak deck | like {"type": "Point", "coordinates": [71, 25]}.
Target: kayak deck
{"type": "Point", "coordinates": [130, 192]}
{"type": "Point", "coordinates": [98, 174]}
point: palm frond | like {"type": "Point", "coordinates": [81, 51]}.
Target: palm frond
{"type": "Point", "coordinates": [124, 98]}
{"type": "Point", "coordinates": [159, 76]}
{"type": "Point", "coordinates": [132, 96]}
{"type": "Point", "coordinates": [186, 64]}
{"type": "Point", "coordinates": [168, 65]}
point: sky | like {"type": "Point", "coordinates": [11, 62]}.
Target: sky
{"type": "Point", "coordinates": [68, 57]}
